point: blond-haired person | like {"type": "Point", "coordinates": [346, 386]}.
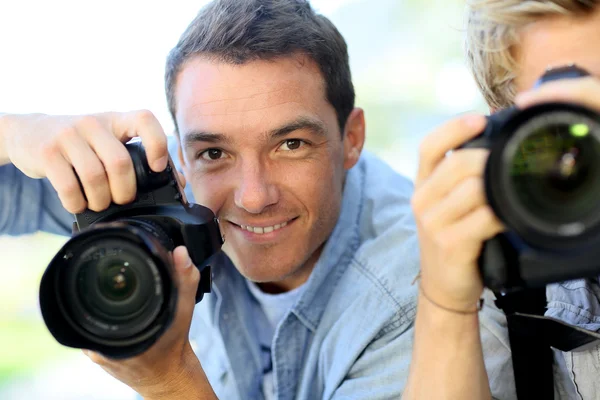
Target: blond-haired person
{"type": "Point", "coordinates": [462, 354]}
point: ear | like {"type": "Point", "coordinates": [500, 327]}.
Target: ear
{"type": "Point", "coordinates": [354, 137]}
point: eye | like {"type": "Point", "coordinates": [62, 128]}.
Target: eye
{"type": "Point", "coordinates": [291, 144]}
{"type": "Point", "coordinates": [212, 154]}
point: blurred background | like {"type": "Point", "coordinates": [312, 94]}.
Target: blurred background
{"type": "Point", "coordinates": [76, 57]}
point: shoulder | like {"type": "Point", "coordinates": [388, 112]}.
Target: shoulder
{"type": "Point", "coordinates": [387, 259]}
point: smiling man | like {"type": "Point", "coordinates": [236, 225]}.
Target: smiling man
{"type": "Point", "coordinates": [312, 297]}
{"type": "Point", "coordinates": [276, 182]}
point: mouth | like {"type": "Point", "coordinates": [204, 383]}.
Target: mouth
{"type": "Point", "coordinates": [264, 229]}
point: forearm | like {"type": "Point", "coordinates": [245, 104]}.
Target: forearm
{"type": "Point", "coordinates": [447, 358]}
{"type": "Point", "coordinates": [11, 125]}
{"type": "Point", "coordinates": [3, 134]}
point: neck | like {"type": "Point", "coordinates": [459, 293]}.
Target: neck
{"type": "Point", "coordinates": [295, 279]}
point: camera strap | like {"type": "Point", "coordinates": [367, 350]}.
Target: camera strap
{"type": "Point", "coordinates": [532, 336]}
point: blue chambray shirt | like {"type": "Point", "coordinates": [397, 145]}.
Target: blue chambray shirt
{"type": "Point", "coordinates": [348, 336]}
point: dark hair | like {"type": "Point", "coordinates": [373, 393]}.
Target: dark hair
{"type": "Point", "coordinates": [239, 31]}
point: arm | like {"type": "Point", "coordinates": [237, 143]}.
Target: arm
{"type": "Point", "coordinates": [29, 205]}
{"type": "Point", "coordinates": [3, 152]}
{"type": "Point", "coordinates": [70, 153]}
{"type": "Point", "coordinates": [448, 356]}
{"type": "Point", "coordinates": [382, 371]}
{"type": "Point", "coordinates": [453, 220]}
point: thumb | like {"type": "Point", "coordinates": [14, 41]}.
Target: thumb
{"type": "Point", "coordinates": [187, 275]}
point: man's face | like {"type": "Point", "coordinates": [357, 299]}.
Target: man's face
{"type": "Point", "coordinates": [261, 147]}
{"type": "Point", "coordinates": [557, 42]}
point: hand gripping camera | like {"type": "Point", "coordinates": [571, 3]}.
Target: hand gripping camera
{"type": "Point", "coordinates": [542, 179]}
{"type": "Point", "coordinates": [111, 287]}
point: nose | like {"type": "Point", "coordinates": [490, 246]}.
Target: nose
{"type": "Point", "coordinates": [254, 192]}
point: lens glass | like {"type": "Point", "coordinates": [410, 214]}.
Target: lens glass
{"type": "Point", "coordinates": [555, 169]}
{"type": "Point", "coordinates": [114, 288]}
{"type": "Point", "coordinates": [117, 282]}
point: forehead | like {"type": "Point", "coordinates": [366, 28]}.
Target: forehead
{"type": "Point", "coordinates": [229, 98]}
{"type": "Point", "coordinates": [555, 42]}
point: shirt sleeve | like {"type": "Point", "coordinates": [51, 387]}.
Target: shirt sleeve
{"type": "Point", "coordinates": [29, 205]}
{"type": "Point", "coordinates": [382, 369]}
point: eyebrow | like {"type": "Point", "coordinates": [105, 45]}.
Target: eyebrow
{"type": "Point", "coordinates": [192, 137]}
{"type": "Point", "coordinates": [314, 125]}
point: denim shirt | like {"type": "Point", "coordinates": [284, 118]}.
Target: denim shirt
{"type": "Point", "coordinates": [349, 334]}
{"type": "Point", "coordinates": [576, 373]}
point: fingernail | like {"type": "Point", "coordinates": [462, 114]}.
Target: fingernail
{"type": "Point", "coordinates": [188, 262]}
{"type": "Point", "coordinates": [161, 163]}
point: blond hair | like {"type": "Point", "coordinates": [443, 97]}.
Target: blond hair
{"type": "Point", "coordinates": [493, 28]}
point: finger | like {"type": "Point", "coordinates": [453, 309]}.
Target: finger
{"type": "Point", "coordinates": [97, 358]}
{"type": "Point", "coordinates": [143, 124]}
{"type": "Point", "coordinates": [445, 138]}
{"type": "Point", "coordinates": [467, 196]}
{"type": "Point", "coordinates": [63, 179]}
{"type": "Point", "coordinates": [188, 277]}
{"type": "Point", "coordinates": [184, 268]}
{"type": "Point", "coordinates": [472, 230]}
{"type": "Point", "coordinates": [90, 171]}
{"type": "Point", "coordinates": [456, 167]}
{"type": "Point", "coordinates": [118, 165]}
{"type": "Point", "coordinates": [584, 91]}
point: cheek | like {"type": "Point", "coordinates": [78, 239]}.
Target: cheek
{"type": "Point", "coordinates": [209, 191]}
{"type": "Point", "coordinates": [317, 185]}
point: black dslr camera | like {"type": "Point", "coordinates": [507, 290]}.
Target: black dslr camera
{"type": "Point", "coordinates": [110, 288]}
{"type": "Point", "coordinates": [542, 179]}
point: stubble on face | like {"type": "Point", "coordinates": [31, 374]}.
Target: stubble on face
{"type": "Point", "coordinates": [260, 178]}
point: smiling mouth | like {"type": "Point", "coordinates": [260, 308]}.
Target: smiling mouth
{"type": "Point", "coordinates": [263, 229]}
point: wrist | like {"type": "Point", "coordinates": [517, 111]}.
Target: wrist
{"type": "Point", "coordinates": [464, 307]}
{"type": "Point", "coordinates": [186, 381]}
{"type": "Point", "coordinates": [435, 319]}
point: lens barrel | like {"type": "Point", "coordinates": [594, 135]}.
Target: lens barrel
{"type": "Point", "coordinates": [111, 288]}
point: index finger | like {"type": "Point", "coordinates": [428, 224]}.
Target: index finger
{"type": "Point", "coordinates": [447, 137]}
{"type": "Point", "coordinates": [584, 91]}
{"type": "Point", "coordinates": [143, 124]}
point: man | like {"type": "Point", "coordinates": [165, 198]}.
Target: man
{"type": "Point", "coordinates": [314, 299]}
{"type": "Point", "coordinates": [510, 45]}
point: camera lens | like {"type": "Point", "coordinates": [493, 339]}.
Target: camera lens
{"type": "Point", "coordinates": [553, 163]}
{"type": "Point", "coordinates": [117, 282]}
{"type": "Point", "coordinates": [113, 289]}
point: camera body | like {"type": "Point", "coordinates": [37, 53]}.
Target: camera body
{"type": "Point", "coordinates": [542, 180]}
{"type": "Point", "coordinates": [111, 287]}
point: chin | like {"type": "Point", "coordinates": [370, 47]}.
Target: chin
{"type": "Point", "coordinates": [261, 274]}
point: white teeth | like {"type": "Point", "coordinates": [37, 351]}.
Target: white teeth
{"type": "Point", "coordinates": [266, 229]}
